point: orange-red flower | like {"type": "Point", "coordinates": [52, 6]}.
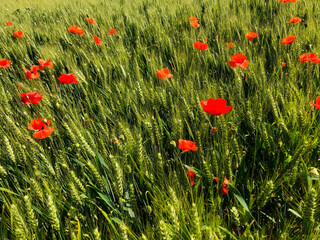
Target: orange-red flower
{"type": "Point", "coordinates": [194, 22]}
{"type": "Point", "coordinates": [215, 106]}
{"type": "Point", "coordinates": [67, 78]}
{"type": "Point", "coordinates": [201, 46]}
{"type": "Point", "coordinates": [31, 97]}
{"type": "Point", "coordinates": [224, 186]}
{"type": "Point", "coordinates": [309, 57]}
{"type": "Point", "coordinates": [4, 63]}
{"type": "Point", "coordinates": [97, 40]}
{"type": "Point", "coordinates": [317, 104]}
{"type": "Point", "coordinates": [42, 128]}
{"type": "Point", "coordinates": [33, 72]}
{"type": "Point", "coordinates": [187, 145]}
{"type": "Point", "coordinates": [251, 35]}
{"type": "Point", "coordinates": [283, 64]}
{"type": "Point", "coordinates": [8, 23]}
{"type": "Point", "coordinates": [18, 34]}
{"type": "Point", "coordinates": [239, 60]}
{"type": "Point", "coordinates": [285, 1]}
{"type": "Point", "coordinates": [288, 40]}
{"type": "Point", "coordinates": [230, 45]}
{"type": "Point", "coordinates": [295, 20]}
{"type": "Point", "coordinates": [192, 175]}
{"type": "Point", "coordinates": [164, 74]}
{"type": "Point", "coordinates": [19, 87]}
{"type": "Point", "coordinates": [90, 20]}
{"type": "Point", "coordinates": [112, 31]}
{"type": "Point", "coordinates": [76, 29]}
{"type": "Point", "coordinates": [44, 63]}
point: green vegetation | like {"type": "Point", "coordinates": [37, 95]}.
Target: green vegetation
{"type": "Point", "coordinates": [80, 184]}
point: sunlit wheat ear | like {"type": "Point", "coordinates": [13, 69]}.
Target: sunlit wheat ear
{"type": "Point", "coordinates": [302, 120]}
{"type": "Point", "coordinates": [235, 216]}
{"type": "Point", "coordinates": [250, 117]}
{"type": "Point", "coordinates": [20, 228]}
{"type": "Point", "coordinates": [265, 194]}
{"type": "Point", "coordinates": [22, 157]}
{"type": "Point", "coordinates": [53, 216]}
{"type": "Point", "coordinates": [188, 109]}
{"type": "Point", "coordinates": [133, 199]}
{"type": "Point", "coordinates": [44, 159]}
{"type": "Point", "coordinates": [119, 182]}
{"type": "Point", "coordinates": [177, 129]}
{"type": "Point", "coordinates": [75, 194]}
{"type": "Point", "coordinates": [207, 171]}
{"type": "Point", "coordinates": [196, 223]}
{"type": "Point", "coordinates": [140, 94]}
{"type": "Point", "coordinates": [96, 234]}
{"type": "Point", "coordinates": [77, 181]}
{"type": "Point", "coordinates": [96, 175]}
{"type": "Point", "coordinates": [9, 149]}
{"type": "Point", "coordinates": [310, 205]}
{"type": "Point", "coordinates": [156, 130]}
{"type": "Point", "coordinates": [31, 218]}
{"type": "Point", "coordinates": [36, 189]}
{"type": "Point", "coordinates": [123, 231]}
{"type": "Point", "coordinates": [3, 172]}
{"type": "Point", "coordinates": [273, 105]}
{"type": "Point", "coordinates": [215, 165]}
{"type": "Point", "coordinates": [174, 218]}
{"type": "Point", "coordinates": [163, 229]}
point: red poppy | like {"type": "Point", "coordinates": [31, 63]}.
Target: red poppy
{"type": "Point", "coordinates": [90, 20]}
{"type": "Point", "coordinates": [252, 35]}
{"type": "Point", "coordinates": [19, 87]}
{"type": "Point", "coordinates": [31, 97]}
{"type": "Point", "coordinates": [4, 63]}
{"type": "Point", "coordinates": [194, 22]}
{"type": "Point", "coordinates": [216, 179]}
{"type": "Point", "coordinates": [33, 72]}
{"type": "Point", "coordinates": [317, 104]}
{"type": "Point", "coordinates": [193, 19]}
{"type": "Point", "coordinates": [44, 63]}
{"type": "Point", "coordinates": [112, 31]}
{"type": "Point", "coordinates": [164, 73]}
{"type": "Point", "coordinates": [8, 23]}
{"type": "Point", "coordinates": [97, 40]}
{"type": "Point", "coordinates": [201, 46]}
{"type": "Point", "coordinates": [67, 78]}
{"type": "Point", "coordinates": [283, 64]}
{"type": "Point", "coordinates": [224, 186]}
{"type": "Point", "coordinates": [285, 1]}
{"type": "Point", "coordinates": [42, 127]}
{"type": "Point", "coordinates": [288, 40]}
{"type": "Point", "coordinates": [18, 34]}
{"type": "Point", "coordinates": [76, 29]}
{"type": "Point", "coordinates": [309, 57]}
{"type": "Point", "coordinates": [215, 106]}
{"type": "Point", "coordinates": [239, 60]}
{"type": "Point", "coordinates": [295, 20]}
{"type": "Point", "coordinates": [191, 175]}
{"type": "Point", "coordinates": [187, 145]}
{"type": "Point", "coordinates": [230, 45]}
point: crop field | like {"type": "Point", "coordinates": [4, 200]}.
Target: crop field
{"type": "Point", "coordinates": [159, 119]}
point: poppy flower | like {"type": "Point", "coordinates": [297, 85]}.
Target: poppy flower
{"type": "Point", "coordinates": [317, 104]}
{"type": "Point", "coordinates": [31, 97]}
{"type": "Point", "coordinates": [191, 175]}
{"type": "Point", "coordinates": [309, 57]}
{"type": "Point", "coordinates": [285, 1]}
{"type": "Point", "coordinates": [251, 35]}
{"type": "Point", "coordinates": [187, 145]}
{"type": "Point", "coordinates": [230, 45]}
{"type": "Point", "coordinates": [76, 29]}
{"type": "Point", "coordinates": [215, 106]}
{"type": "Point", "coordinates": [112, 31]}
{"type": "Point", "coordinates": [8, 23]}
{"type": "Point", "coordinates": [44, 63]}
{"type": "Point", "coordinates": [67, 78]}
{"type": "Point", "coordinates": [90, 20]}
{"type": "Point", "coordinates": [18, 34]}
{"type": "Point", "coordinates": [19, 87]}
{"type": "Point", "coordinates": [288, 40]}
{"type": "Point", "coordinates": [164, 74]}
{"type": "Point", "coordinates": [97, 40]}
{"type": "Point", "coordinates": [33, 72]}
{"type": "Point", "coordinates": [42, 128]}
{"type": "Point", "coordinates": [295, 20]}
{"type": "Point", "coordinates": [201, 46]}
{"type": "Point", "coordinates": [283, 64]}
{"type": "Point", "coordinates": [4, 63]}
{"type": "Point", "coordinates": [194, 22]}
{"type": "Point", "coordinates": [224, 186]}
{"type": "Point", "coordinates": [239, 60]}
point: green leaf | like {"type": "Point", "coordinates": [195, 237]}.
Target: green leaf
{"type": "Point", "coordinates": [295, 213]}
{"type": "Point", "coordinates": [108, 202]}
{"type": "Point", "coordinates": [227, 231]}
